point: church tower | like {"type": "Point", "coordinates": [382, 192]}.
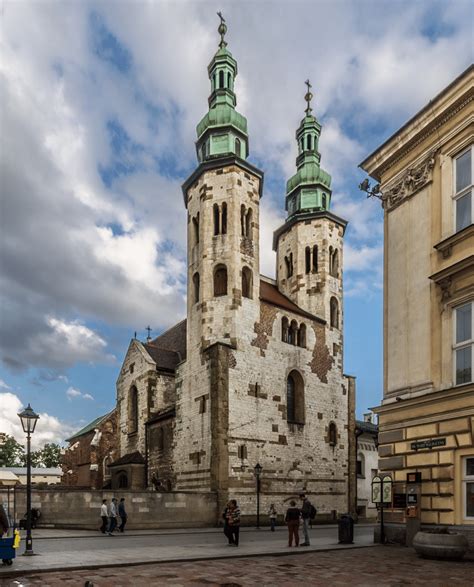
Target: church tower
{"type": "Point", "coordinates": [222, 198]}
{"type": "Point", "coordinates": [309, 244]}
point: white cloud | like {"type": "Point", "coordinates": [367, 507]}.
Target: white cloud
{"type": "Point", "coordinates": [4, 385]}
{"type": "Point", "coordinates": [48, 428]}
{"type": "Point", "coordinates": [72, 393]}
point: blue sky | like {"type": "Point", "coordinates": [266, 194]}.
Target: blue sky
{"type": "Point", "coordinates": [100, 104]}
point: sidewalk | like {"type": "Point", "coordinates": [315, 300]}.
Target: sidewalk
{"type": "Point", "coordinates": [125, 550]}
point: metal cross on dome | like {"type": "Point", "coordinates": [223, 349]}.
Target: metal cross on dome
{"type": "Point", "coordinates": [308, 97]}
{"type": "Point", "coordinates": [149, 329]}
{"type": "Point", "coordinates": [222, 30]}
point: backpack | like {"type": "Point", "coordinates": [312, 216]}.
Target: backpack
{"type": "Point", "coordinates": [312, 512]}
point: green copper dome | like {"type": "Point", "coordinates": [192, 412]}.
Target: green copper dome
{"type": "Point", "coordinates": [310, 188]}
{"type": "Point", "coordinates": [223, 130]}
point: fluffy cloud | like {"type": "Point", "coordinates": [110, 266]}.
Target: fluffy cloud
{"type": "Point", "coordinates": [48, 428]}
{"type": "Point", "coordinates": [98, 128]}
{"type": "Point", "coordinates": [72, 393]}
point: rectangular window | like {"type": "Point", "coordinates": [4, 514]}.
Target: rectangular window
{"type": "Point", "coordinates": [468, 487]}
{"type": "Point", "coordinates": [463, 189]}
{"type": "Point", "coordinates": [463, 347]}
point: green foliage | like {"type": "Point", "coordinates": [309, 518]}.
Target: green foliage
{"type": "Point", "coordinates": [50, 455]}
{"type": "Point", "coordinates": [12, 453]}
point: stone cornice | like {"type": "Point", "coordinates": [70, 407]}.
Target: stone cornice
{"type": "Point", "coordinates": [445, 246]}
{"type": "Point", "coordinates": [425, 123]}
{"type": "Point", "coordinates": [306, 216]}
{"type": "Point", "coordinates": [444, 277]}
{"type": "Point", "coordinates": [412, 181]}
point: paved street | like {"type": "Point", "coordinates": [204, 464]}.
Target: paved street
{"type": "Point", "coordinates": [380, 566]}
{"type": "Point", "coordinates": [96, 550]}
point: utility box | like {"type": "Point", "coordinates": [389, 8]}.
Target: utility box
{"type": "Point", "coordinates": [346, 529]}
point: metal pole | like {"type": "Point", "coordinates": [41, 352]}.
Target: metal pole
{"type": "Point", "coordinates": [382, 529]}
{"type": "Point", "coordinates": [29, 540]}
{"type": "Point", "coordinates": [258, 503]}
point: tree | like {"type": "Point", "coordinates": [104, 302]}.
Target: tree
{"type": "Point", "coordinates": [50, 455]}
{"type": "Point", "coordinates": [12, 453]}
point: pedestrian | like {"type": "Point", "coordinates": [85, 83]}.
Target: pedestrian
{"type": "Point", "coordinates": [104, 514]}
{"type": "Point", "coordinates": [226, 523]}
{"type": "Point", "coordinates": [292, 519]}
{"type": "Point", "coordinates": [306, 514]}
{"type": "Point", "coordinates": [112, 516]}
{"type": "Point", "coordinates": [4, 524]}
{"type": "Point", "coordinates": [272, 513]}
{"type": "Point", "coordinates": [122, 514]}
{"type": "Point", "coordinates": [233, 520]}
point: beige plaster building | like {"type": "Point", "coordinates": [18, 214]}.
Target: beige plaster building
{"type": "Point", "coordinates": [426, 420]}
{"type": "Point", "coordinates": [255, 372]}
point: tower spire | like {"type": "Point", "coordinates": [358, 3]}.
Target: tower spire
{"type": "Point", "coordinates": [308, 97]}
{"type": "Point", "coordinates": [222, 29]}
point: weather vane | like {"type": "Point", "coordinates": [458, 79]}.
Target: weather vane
{"type": "Point", "coordinates": [308, 97]}
{"type": "Point", "coordinates": [222, 30]}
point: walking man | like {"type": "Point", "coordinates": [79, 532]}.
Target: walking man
{"type": "Point", "coordinates": [122, 514]}
{"type": "Point", "coordinates": [104, 514]}
{"type": "Point", "coordinates": [112, 516]}
{"type": "Point", "coordinates": [306, 510]}
{"type": "Point", "coordinates": [233, 519]}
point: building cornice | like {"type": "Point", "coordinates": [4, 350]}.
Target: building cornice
{"type": "Point", "coordinates": [425, 123]}
{"type": "Point", "coordinates": [306, 216]}
{"type": "Point", "coordinates": [445, 246]}
{"type": "Point", "coordinates": [444, 277]}
{"type": "Point", "coordinates": [220, 163]}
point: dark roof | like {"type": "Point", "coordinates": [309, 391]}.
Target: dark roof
{"type": "Point", "coordinates": [132, 458]}
{"type": "Point", "coordinates": [169, 349]}
{"type": "Point", "coordinates": [368, 427]}
{"type": "Point", "coordinates": [89, 428]}
{"type": "Point", "coordinates": [162, 415]}
{"type": "Point", "coordinates": [269, 293]}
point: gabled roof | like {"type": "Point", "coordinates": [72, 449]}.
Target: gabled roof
{"type": "Point", "coordinates": [168, 349]}
{"type": "Point", "coordinates": [89, 428]}
{"type": "Point", "coordinates": [270, 293]}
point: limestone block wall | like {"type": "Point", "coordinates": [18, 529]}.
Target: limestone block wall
{"type": "Point", "coordinates": [368, 455]}
{"type": "Point", "coordinates": [76, 508]}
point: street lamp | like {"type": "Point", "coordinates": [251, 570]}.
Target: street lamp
{"type": "Point", "coordinates": [28, 421]}
{"type": "Point", "coordinates": [258, 472]}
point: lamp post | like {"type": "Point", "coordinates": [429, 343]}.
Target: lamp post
{"type": "Point", "coordinates": [28, 421]}
{"type": "Point", "coordinates": [258, 472]}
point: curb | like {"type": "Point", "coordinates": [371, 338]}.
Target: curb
{"type": "Point", "coordinates": [19, 573]}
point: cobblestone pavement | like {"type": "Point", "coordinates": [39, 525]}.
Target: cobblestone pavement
{"type": "Point", "coordinates": [388, 566]}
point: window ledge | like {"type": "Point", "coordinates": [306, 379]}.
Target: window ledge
{"type": "Point", "coordinates": [445, 246]}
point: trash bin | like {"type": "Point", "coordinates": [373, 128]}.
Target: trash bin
{"type": "Point", "coordinates": [346, 529]}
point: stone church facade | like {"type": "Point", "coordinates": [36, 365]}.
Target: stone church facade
{"type": "Point", "coordinates": [254, 374]}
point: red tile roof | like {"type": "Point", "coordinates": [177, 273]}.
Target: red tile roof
{"type": "Point", "coordinates": [269, 293]}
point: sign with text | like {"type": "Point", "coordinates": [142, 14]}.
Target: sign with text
{"type": "Point", "coordinates": [430, 443]}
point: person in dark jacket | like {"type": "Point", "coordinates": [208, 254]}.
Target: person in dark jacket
{"type": "Point", "coordinates": [4, 524]}
{"type": "Point", "coordinates": [292, 519]}
{"type": "Point", "coordinates": [123, 514]}
{"type": "Point", "coordinates": [233, 521]}
{"type": "Point", "coordinates": [226, 523]}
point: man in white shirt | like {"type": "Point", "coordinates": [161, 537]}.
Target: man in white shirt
{"type": "Point", "coordinates": [104, 514]}
{"type": "Point", "coordinates": [112, 516]}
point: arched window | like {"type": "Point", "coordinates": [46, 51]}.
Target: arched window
{"type": "Point", "coordinates": [330, 260]}
{"type": "Point", "coordinates": [221, 79]}
{"type": "Point", "coordinates": [295, 398]}
{"type": "Point", "coordinates": [302, 144]}
{"type": "Point", "coordinates": [224, 218]}
{"type": "Point", "coordinates": [105, 466]}
{"type": "Point", "coordinates": [196, 286]}
{"type": "Point", "coordinates": [315, 258]}
{"type": "Point", "coordinates": [307, 254]}
{"type": "Point", "coordinates": [248, 223]}
{"type": "Point", "coordinates": [360, 470]}
{"type": "Point", "coordinates": [293, 334]}
{"type": "Point", "coordinates": [308, 142]}
{"type": "Point", "coordinates": [332, 434]}
{"type": "Point", "coordinates": [123, 480]}
{"type": "Point", "coordinates": [335, 263]}
{"type": "Point", "coordinates": [229, 81]}
{"type": "Point", "coordinates": [246, 282]}
{"type": "Point", "coordinates": [215, 81]}
{"type": "Point", "coordinates": [237, 147]}
{"type": "Point", "coordinates": [284, 329]}
{"type": "Point", "coordinates": [242, 219]}
{"type": "Point", "coordinates": [291, 264]}
{"type": "Point", "coordinates": [334, 311]}
{"type": "Point", "coordinates": [325, 201]}
{"type": "Point", "coordinates": [215, 210]}
{"type": "Point", "coordinates": [132, 410]}
{"type": "Point", "coordinates": [302, 336]}
{"type": "Point", "coordinates": [196, 228]}
{"type": "Point", "coordinates": [288, 266]}
{"type": "Point", "coordinates": [220, 281]}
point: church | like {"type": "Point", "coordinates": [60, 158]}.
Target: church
{"type": "Point", "coordinates": [254, 374]}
